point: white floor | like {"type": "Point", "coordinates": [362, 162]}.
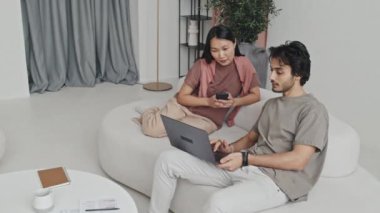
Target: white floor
{"type": "Point", "coordinates": [60, 129]}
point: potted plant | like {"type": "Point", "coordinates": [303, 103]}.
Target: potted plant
{"type": "Point", "coordinates": [247, 18]}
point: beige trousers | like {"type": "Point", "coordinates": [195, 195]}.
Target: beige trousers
{"type": "Point", "coordinates": [152, 125]}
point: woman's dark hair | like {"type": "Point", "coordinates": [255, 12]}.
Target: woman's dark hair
{"type": "Point", "coordinates": [295, 55]}
{"type": "Point", "coordinates": [220, 32]}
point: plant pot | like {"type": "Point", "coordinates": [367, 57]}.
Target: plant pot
{"type": "Point", "coordinates": [259, 58]}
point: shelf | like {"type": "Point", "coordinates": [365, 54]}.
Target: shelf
{"type": "Point", "coordinates": [200, 46]}
{"type": "Point", "coordinates": [197, 17]}
{"type": "Point", "coordinates": [192, 10]}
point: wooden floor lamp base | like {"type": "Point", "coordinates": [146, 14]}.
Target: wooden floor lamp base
{"type": "Point", "coordinates": [157, 86]}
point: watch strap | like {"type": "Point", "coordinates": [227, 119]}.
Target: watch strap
{"type": "Point", "coordinates": [244, 158]}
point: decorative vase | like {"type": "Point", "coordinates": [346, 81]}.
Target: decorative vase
{"type": "Point", "coordinates": [193, 33]}
{"type": "Point", "coordinates": [259, 58]}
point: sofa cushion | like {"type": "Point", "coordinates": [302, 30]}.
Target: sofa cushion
{"type": "Point", "coordinates": [343, 149]}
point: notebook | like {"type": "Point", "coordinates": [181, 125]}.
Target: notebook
{"type": "Point", "coordinates": [53, 177]}
{"type": "Point", "coordinates": [190, 139]}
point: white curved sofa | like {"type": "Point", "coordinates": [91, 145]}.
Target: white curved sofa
{"type": "Point", "coordinates": [128, 157]}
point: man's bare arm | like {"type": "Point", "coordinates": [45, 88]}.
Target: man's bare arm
{"type": "Point", "coordinates": [245, 142]}
{"type": "Point", "coordinates": [297, 159]}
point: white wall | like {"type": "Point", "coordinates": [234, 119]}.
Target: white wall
{"type": "Point", "coordinates": [13, 73]}
{"type": "Point", "coordinates": [343, 39]}
{"type": "Point", "coordinates": [168, 54]}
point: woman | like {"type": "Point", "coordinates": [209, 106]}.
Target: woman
{"type": "Point", "coordinates": [221, 69]}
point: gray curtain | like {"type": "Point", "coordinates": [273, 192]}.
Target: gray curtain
{"type": "Point", "coordinates": [77, 43]}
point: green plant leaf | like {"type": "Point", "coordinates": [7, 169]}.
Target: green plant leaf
{"type": "Point", "coordinates": [246, 18]}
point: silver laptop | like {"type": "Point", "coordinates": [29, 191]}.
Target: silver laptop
{"type": "Point", "coordinates": [190, 139]}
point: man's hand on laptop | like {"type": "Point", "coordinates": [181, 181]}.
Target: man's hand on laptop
{"type": "Point", "coordinates": [221, 145]}
{"type": "Point", "coordinates": [231, 162]}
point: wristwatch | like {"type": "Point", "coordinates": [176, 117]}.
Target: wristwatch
{"type": "Point", "coordinates": [244, 155]}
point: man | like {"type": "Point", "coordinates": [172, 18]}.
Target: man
{"type": "Point", "coordinates": [278, 161]}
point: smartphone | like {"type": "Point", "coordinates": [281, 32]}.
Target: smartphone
{"type": "Point", "coordinates": [222, 96]}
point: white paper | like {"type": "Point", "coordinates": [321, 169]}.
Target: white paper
{"type": "Point", "coordinates": [69, 211]}
{"type": "Point", "coordinates": [104, 203]}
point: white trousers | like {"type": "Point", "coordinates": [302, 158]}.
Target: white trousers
{"type": "Point", "coordinates": [244, 190]}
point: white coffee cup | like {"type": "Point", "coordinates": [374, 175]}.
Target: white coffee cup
{"type": "Point", "coordinates": [43, 200]}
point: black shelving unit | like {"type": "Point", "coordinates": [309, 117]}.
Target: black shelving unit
{"type": "Point", "coordinates": [200, 13]}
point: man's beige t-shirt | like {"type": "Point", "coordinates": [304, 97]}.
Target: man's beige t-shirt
{"type": "Point", "coordinates": [285, 122]}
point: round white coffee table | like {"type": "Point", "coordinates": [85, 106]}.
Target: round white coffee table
{"type": "Point", "coordinates": [17, 189]}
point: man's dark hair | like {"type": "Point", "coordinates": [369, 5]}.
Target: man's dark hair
{"type": "Point", "coordinates": [220, 32]}
{"type": "Point", "coordinates": [295, 55]}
